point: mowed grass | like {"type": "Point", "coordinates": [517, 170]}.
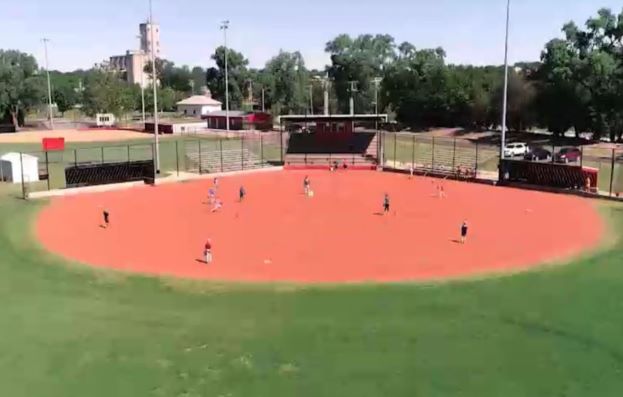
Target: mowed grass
{"type": "Point", "coordinates": [68, 330]}
{"type": "Point", "coordinates": [173, 151]}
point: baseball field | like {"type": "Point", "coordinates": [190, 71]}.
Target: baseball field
{"type": "Point", "coordinates": [311, 296]}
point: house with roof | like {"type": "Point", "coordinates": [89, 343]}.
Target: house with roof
{"type": "Point", "coordinates": [199, 105]}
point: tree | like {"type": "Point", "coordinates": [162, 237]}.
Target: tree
{"type": "Point", "coordinates": [198, 77]}
{"type": "Point", "coordinates": [65, 97]}
{"type": "Point", "coordinates": [21, 85]}
{"type": "Point", "coordinates": [106, 93]}
{"type": "Point", "coordinates": [582, 77]}
{"type": "Point", "coordinates": [289, 82]}
{"type": "Point", "coordinates": [358, 60]}
{"type": "Point", "coordinates": [237, 76]}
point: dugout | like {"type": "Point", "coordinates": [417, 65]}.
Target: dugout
{"type": "Point", "coordinates": [18, 167]}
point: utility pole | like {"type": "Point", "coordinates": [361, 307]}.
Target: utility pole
{"type": "Point", "coordinates": [154, 79]}
{"type": "Point", "coordinates": [47, 70]}
{"type": "Point", "coordinates": [353, 89]}
{"type": "Point", "coordinates": [142, 86]}
{"type": "Point", "coordinates": [224, 27]}
{"type": "Point", "coordinates": [311, 99]}
{"type": "Point", "coordinates": [505, 100]}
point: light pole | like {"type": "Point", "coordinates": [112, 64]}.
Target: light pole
{"type": "Point", "coordinates": [377, 82]}
{"type": "Point", "coordinates": [47, 70]}
{"type": "Point", "coordinates": [224, 27]}
{"type": "Point", "coordinates": [505, 100]}
{"type": "Point", "coordinates": [263, 107]}
{"type": "Point", "coordinates": [353, 89]}
{"type": "Point", "coordinates": [143, 87]}
{"type": "Point", "coordinates": [154, 79]}
{"type": "Point", "coordinates": [311, 99]}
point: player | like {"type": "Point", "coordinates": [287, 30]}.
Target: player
{"type": "Point", "coordinates": [306, 185]}
{"type": "Point", "coordinates": [207, 251]}
{"type": "Point", "coordinates": [215, 183]}
{"type": "Point", "coordinates": [463, 232]}
{"type": "Point", "coordinates": [242, 193]}
{"type": "Point", "coordinates": [211, 195]}
{"type": "Point", "coordinates": [218, 204]}
{"type": "Point", "coordinates": [411, 171]}
{"type": "Point", "coordinates": [386, 204]}
{"type": "Point", "coordinates": [441, 192]}
{"type": "Point", "coordinates": [106, 217]}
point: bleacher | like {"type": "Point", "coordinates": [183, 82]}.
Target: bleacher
{"type": "Point", "coordinates": [208, 161]}
{"type": "Point", "coordinates": [451, 158]}
{"type": "Point", "coordinates": [322, 150]}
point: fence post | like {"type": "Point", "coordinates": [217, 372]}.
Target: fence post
{"type": "Point", "coordinates": [47, 167]}
{"type": "Point", "coordinates": [476, 165]}
{"type": "Point", "coordinates": [177, 159]}
{"type": "Point", "coordinates": [200, 158]}
{"type": "Point", "coordinates": [102, 154]}
{"type": "Point", "coordinates": [262, 149]}
{"type": "Point", "coordinates": [581, 156]}
{"type": "Point", "coordinates": [21, 166]}
{"type": "Point", "coordinates": [433, 155]}
{"type": "Point", "coordinates": [453, 154]}
{"type": "Point", "coordinates": [395, 145]}
{"type": "Point", "coordinates": [220, 142]}
{"type": "Point", "coordinates": [281, 144]}
{"type": "Point", "coordinates": [611, 172]}
{"type": "Point", "coordinates": [413, 151]}
{"type": "Point", "coordinates": [242, 151]}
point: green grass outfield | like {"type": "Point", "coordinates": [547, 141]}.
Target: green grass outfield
{"type": "Point", "coordinates": [68, 330]}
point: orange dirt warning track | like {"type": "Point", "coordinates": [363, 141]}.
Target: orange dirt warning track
{"type": "Point", "coordinates": [278, 234]}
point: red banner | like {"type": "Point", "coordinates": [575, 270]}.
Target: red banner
{"type": "Point", "coordinates": [53, 144]}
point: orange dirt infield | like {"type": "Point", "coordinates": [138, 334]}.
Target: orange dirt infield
{"type": "Point", "coordinates": [278, 234]}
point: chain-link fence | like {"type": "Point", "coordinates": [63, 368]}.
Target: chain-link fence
{"type": "Point", "coordinates": [188, 154]}
{"type": "Point", "coordinates": [433, 155]}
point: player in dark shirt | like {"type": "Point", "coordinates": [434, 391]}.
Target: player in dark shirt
{"type": "Point", "coordinates": [463, 232]}
{"type": "Point", "coordinates": [306, 184]}
{"type": "Point", "coordinates": [386, 203]}
{"type": "Point", "coordinates": [242, 193]}
{"type": "Point", "coordinates": [106, 216]}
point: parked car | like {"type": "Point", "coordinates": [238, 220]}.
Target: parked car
{"type": "Point", "coordinates": [568, 155]}
{"type": "Point", "coordinates": [538, 154]}
{"type": "Point", "coordinates": [515, 149]}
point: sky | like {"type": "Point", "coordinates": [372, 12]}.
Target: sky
{"type": "Point", "coordinates": [84, 32]}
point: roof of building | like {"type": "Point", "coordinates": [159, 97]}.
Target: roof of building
{"type": "Point", "coordinates": [15, 157]}
{"type": "Point", "coordinates": [299, 118]}
{"type": "Point", "coordinates": [232, 113]}
{"type": "Point", "coordinates": [199, 100]}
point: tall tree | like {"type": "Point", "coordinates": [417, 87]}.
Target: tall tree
{"type": "Point", "coordinates": [21, 85]}
{"type": "Point", "coordinates": [106, 93]}
{"type": "Point", "coordinates": [198, 76]}
{"type": "Point", "coordinates": [237, 76]}
{"type": "Point", "coordinates": [355, 62]}
{"type": "Point", "coordinates": [289, 82]}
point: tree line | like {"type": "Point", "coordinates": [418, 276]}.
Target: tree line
{"type": "Point", "coordinates": [577, 84]}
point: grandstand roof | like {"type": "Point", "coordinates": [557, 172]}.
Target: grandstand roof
{"type": "Point", "coordinates": [310, 118]}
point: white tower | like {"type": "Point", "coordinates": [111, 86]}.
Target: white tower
{"type": "Point", "coordinates": [146, 37]}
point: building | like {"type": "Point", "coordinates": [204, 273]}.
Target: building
{"type": "Point", "coordinates": [239, 120]}
{"type": "Point", "coordinates": [188, 126]}
{"type": "Point", "coordinates": [14, 166]}
{"type": "Point", "coordinates": [199, 105]}
{"type": "Point", "coordinates": [145, 37]}
{"type": "Point", "coordinates": [132, 64]}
